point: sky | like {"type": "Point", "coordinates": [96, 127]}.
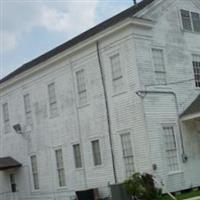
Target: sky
{"type": "Point", "coordinates": [29, 28]}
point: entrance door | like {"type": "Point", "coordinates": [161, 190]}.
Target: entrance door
{"type": "Point", "coordinates": [13, 185]}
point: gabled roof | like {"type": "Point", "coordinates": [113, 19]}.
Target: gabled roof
{"type": "Point", "coordinates": [193, 108]}
{"type": "Point", "coordinates": [89, 33]}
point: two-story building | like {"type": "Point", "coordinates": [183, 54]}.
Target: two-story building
{"type": "Point", "coordinates": [120, 98]}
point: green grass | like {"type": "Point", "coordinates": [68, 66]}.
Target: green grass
{"type": "Point", "coordinates": [183, 196]}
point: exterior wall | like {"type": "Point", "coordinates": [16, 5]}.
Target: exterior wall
{"type": "Point", "coordinates": [141, 115]}
{"type": "Point", "coordinates": [75, 124]}
{"type": "Point", "coordinates": [178, 47]}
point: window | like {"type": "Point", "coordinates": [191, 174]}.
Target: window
{"type": "Point", "coordinates": [60, 167]}
{"type": "Point", "coordinates": [117, 77]}
{"type": "Point", "coordinates": [171, 148]}
{"type": "Point", "coordinates": [6, 119]}
{"type": "Point", "coordinates": [27, 108]}
{"type": "Point", "coordinates": [190, 21]}
{"type": "Point", "coordinates": [196, 21]}
{"type": "Point", "coordinates": [35, 172]}
{"type": "Point", "coordinates": [52, 99]}
{"type": "Point", "coordinates": [159, 66]}
{"type": "Point", "coordinates": [96, 152]}
{"type": "Point", "coordinates": [196, 67]}
{"type": "Point", "coordinates": [77, 156]}
{"type": "Point", "coordinates": [186, 20]}
{"type": "Point", "coordinates": [81, 87]}
{"type": "Point", "coordinates": [127, 154]}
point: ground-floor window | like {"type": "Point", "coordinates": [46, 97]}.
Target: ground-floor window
{"type": "Point", "coordinates": [60, 167]}
{"type": "Point", "coordinates": [35, 172]}
{"type": "Point", "coordinates": [127, 154]}
{"type": "Point", "coordinates": [171, 148]}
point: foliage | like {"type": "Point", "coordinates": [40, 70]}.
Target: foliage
{"type": "Point", "coordinates": [142, 187]}
{"type": "Point", "coordinates": [185, 195]}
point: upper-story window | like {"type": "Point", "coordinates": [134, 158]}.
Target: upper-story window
{"type": "Point", "coordinates": [81, 87]}
{"type": "Point", "coordinates": [190, 21]}
{"type": "Point", "coordinates": [159, 66]}
{"type": "Point", "coordinates": [52, 99]}
{"type": "Point", "coordinates": [6, 119]}
{"type": "Point", "coordinates": [117, 76]}
{"type": "Point", "coordinates": [27, 108]}
{"type": "Point", "coordinates": [196, 67]}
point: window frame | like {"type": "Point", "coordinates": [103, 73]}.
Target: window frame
{"type": "Point", "coordinates": [125, 157]}
{"type": "Point", "coordinates": [85, 91]}
{"type": "Point", "coordinates": [6, 117]}
{"type": "Point", "coordinates": [96, 162]}
{"type": "Point", "coordinates": [112, 72]}
{"type": "Point", "coordinates": [28, 112]}
{"type": "Point", "coordinates": [191, 21]}
{"type": "Point", "coordinates": [60, 169]}
{"type": "Point", "coordinates": [52, 99]}
{"type": "Point", "coordinates": [158, 72]}
{"type": "Point", "coordinates": [196, 82]}
{"type": "Point", "coordinates": [177, 149]}
{"type": "Point", "coordinates": [35, 173]}
{"type": "Point", "coordinates": [79, 156]}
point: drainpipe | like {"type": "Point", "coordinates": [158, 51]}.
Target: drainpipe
{"type": "Point", "coordinates": [142, 93]}
{"type": "Point", "coordinates": [107, 111]}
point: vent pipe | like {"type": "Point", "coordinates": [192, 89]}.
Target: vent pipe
{"type": "Point", "coordinates": [135, 2]}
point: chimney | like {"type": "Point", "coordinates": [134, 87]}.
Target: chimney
{"type": "Point", "coordinates": [135, 2]}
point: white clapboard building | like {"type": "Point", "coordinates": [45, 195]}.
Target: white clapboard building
{"type": "Point", "coordinates": [120, 98]}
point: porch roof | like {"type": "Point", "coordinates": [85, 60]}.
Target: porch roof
{"type": "Point", "coordinates": [8, 163]}
{"type": "Point", "coordinates": [192, 111]}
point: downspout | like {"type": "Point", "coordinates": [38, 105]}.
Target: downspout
{"type": "Point", "coordinates": [107, 111]}
{"type": "Point", "coordinates": [142, 93]}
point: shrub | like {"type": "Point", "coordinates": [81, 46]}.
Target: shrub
{"type": "Point", "coordinates": [142, 187]}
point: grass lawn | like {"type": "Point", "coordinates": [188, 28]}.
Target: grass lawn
{"type": "Point", "coordinates": [183, 196]}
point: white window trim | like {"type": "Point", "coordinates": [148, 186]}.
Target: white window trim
{"type": "Point", "coordinates": [176, 131]}
{"type": "Point", "coordinates": [180, 18]}
{"type": "Point", "coordinates": [100, 148]}
{"type": "Point", "coordinates": [56, 102]}
{"type": "Point", "coordinates": [30, 112]}
{"type": "Point", "coordinates": [6, 122]}
{"type": "Point", "coordinates": [81, 157]}
{"type": "Point", "coordinates": [56, 169]}
{"type": "Point", "coordinates": [133, 149]}
{"type": "Point", "coordinates": [124, 88]}
{"type": "Point", "coordinates": [31, 172]}
{"type": "Point", "coordinates": [165, 63]}
{"type": "Point", "coordinates": [76, 69]}
{"type": "Point", "coordinates": [192, 56]}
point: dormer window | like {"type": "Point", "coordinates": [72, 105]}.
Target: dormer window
{"type": "Point", "coordinates": [190, 21]}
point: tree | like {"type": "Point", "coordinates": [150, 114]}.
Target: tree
{"type": "Point", "coordinates": [142, 187]}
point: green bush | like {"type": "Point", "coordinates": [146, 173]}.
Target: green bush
{"type": "Point", "coordinates": [142, 187]}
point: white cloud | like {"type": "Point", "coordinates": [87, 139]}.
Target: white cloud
{"type": "Point", "coordinates": [8, 40]}
{"type": "Point", "coordinates": [68, 17]}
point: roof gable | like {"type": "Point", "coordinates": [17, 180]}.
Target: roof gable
{"type": "Point", "coordinates": [193, 108]}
